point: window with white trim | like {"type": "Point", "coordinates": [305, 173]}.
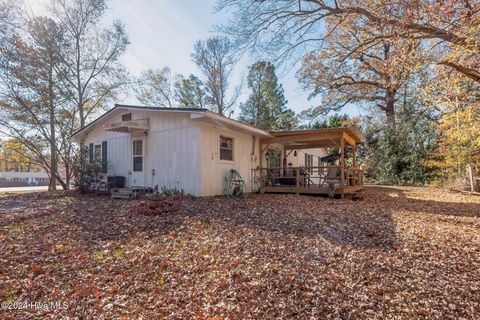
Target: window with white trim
{"type": "Point", "coordinates": [97, 153]}
{"type": "Point", "coordinates": [226, 148]}
{"type": "Point", "coordinates": [309, 162]}
{"type": "Point", "coordinates": [137, 155]}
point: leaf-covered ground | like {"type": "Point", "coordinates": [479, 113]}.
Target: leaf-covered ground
{"type": "Point", "coordinates": [398, 253]}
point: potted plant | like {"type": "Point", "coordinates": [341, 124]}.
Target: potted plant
{"type": "Point", "coordinates": [154, 200]}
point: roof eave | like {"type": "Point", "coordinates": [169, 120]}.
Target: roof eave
{"type": "Point", "coordinates": [237, 124]}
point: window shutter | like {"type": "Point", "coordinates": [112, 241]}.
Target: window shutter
{"type": "Point", "coordinates": [90, 153]}
{"type": "Point", "coordinates": [104, 156]}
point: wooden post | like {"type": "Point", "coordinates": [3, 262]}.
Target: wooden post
{"type": "Point", "coordinates": [260, 161]}
{"type": "Point", "coordinates": [354, 156]}
{"type": "Point", "coordinates": [342, 163]}
{"type": "Point", "coordinates": [297, 177]}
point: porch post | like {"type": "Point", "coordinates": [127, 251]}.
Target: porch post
{"type": "Point", "coordinates": [354, 156]}
{"type": "Point", "coordinates": [297, 182]}
{"type": "Point", "coordinates": [260, 161]}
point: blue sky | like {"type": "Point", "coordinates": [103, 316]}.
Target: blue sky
{"type": "Point", "coordinates": [162, 33]}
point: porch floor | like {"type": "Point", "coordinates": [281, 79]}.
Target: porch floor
{"type": "Point", "coordinates": [312, 190]}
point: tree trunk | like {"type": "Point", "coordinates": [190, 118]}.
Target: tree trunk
{"type": "Point", "coordinates": [470, 177]}
{"type": "Point", "coordinates": [389, 108]}
{"type": "Point", "coordinates": [52, 186]}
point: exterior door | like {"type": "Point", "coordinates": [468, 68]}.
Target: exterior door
{"type": "Point", "coordinates": [274, 159]}
{"type": "Point", "coordinates": [138, 162]}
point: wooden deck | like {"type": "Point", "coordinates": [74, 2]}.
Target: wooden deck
{"type": "Point", "coordinates": [311, 190]}
{"type": "Point", "coordinates": [325, 180]}
{"type": "Point", "coordinates": [335, 176]}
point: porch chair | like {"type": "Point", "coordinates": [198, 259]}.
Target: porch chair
{"type": "Point", "coordinates": [332, 180]}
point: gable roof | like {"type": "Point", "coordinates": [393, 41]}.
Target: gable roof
{"type": "Point", "coordinates": [212, 116]}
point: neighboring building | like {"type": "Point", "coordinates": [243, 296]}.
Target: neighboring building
{"type": "Point", "coordinates": [20, 179]}
{"type": "Point", "coordinates": [191, 149]}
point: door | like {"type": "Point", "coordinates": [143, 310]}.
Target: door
{"type": "Point", "coordinates": [138, 162]}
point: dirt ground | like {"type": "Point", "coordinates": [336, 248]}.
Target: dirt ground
{"type": "Point", "coordinates": [399, 252]}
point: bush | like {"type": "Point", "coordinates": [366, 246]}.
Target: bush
{"type": "Point", "coordinates": [170, 191]}
{"type": "Point", "coordinates": [400, 154]}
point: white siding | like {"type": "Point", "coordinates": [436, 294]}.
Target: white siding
{"type": "Point", "coordinates": [299, 160]}
{"type": "Point", "coordinates": [214, 170]}
{"type": "Point", "coordinates": [172, 149]}
{"type": "Point", "coordinates": [118, 145]}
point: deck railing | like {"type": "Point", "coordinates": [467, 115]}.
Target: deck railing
{"type": "Point", "coordinates": [311, 177]}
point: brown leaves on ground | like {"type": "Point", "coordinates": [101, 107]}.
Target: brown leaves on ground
{"type": "Point", "coordinates": [398, 253]}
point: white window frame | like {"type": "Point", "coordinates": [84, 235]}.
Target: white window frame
{"type": "Point", "coordinates": [309, 162]}
{"type": "Point", "coordinates": [95, 159]}
{"type": "Point", "coordinates": [220, 136]}
{"type": "Point", "coordinates": [142, 155]}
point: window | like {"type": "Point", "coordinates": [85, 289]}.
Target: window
{"type": "Point", "coordinates": [274, 158]}
{"type": "Point", "coordinates": [226, 148]}
{"type": "Point", "coordinates": [104, 157]}
{"type": "Point", "coordinates": [137, 155]}
{"type": "Point", "coordinates": [309, 162]}
{"type": "Point", "coordinates": [97, 153]}
{"type": "Point", "coordinates": [127, 116]}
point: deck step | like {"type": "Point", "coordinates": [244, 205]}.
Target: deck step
{"type": "Point", "coordinates": [127, 193]}
{"type": "Point", "coordinates": [123, 196]}
{"type": "Point", "coordinates": [123, 193]}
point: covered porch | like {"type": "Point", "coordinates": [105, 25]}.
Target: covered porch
{"type": "Point", "coordinates": [336, 173]}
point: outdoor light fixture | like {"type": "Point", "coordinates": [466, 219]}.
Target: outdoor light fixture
{"type": "Point", "coordinates": [295, 153]}
{"type": "Point", "coordinates": [267, 156]}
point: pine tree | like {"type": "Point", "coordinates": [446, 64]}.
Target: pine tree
{"type": "Point", "coordinates": [266, 106]}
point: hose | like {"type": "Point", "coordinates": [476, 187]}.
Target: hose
{"type": "Point", "coordinates": [234, 185]}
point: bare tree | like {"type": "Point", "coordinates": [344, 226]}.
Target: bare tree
{"type": "Point", "coordinates": [214, 58]}
{"type": "Point", "coordinates": [190, 92]}
{"type": "Point", "coordinates": [29, 104]}
{"type": "Point", "coordinates": [155, 88]}
{"type": "Point", "coordinates": [282, 28]}
{"type": "Point", "coordinates": [91, 69]}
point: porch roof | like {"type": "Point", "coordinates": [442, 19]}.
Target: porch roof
{"type": "Point", "coordinates": [129, 126]}
{"type": "Point", "coordinates": [319, 138]}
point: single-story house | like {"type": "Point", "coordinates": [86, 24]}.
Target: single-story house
{"type": "Point", "coordinates": [190, 149]}
{"type": "Point", "coordinates": [21, 179]}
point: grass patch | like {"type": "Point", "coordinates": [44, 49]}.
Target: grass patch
{"type": "Point", "coordinates": [98, 255]}
{"type": "Point", "coordinates": [14, 229]}
{"type": "Point", "coordinates": [119, 253]}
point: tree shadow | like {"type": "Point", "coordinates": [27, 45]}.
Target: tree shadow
{"type": "Point", "coordinates": [368, 223]}
{"type": "Point", "coordinates": [429, 206]}
{"type": "Point", "coordinates": [340, 222]}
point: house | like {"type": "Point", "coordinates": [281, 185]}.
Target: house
{"type": "Point", "coordinates": [190, 149]}
{"type": "Point", "coordinates": [21, 179]}
{"type": "Point", "coordinates": [193, 149]}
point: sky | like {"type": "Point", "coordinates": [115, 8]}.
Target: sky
{"type": "Point", "coordinates": [163, 32]}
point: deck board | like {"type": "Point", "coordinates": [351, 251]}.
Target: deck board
{"type": "Point", "coordinates": [311, 190]}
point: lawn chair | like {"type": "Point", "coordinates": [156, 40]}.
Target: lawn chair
{"type": "Point", "coordinates": [332, 180]}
